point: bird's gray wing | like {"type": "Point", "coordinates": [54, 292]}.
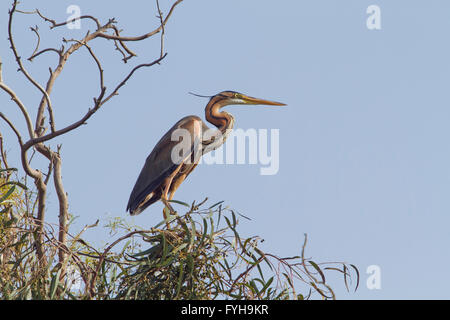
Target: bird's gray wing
{"type": "Point", "coordinates": [159, 164]}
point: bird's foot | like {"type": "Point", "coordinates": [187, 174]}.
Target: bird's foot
{"type": "Point", "coordinates": [168, 211]}
{"type": "Point", "coordinates": [169, 215]}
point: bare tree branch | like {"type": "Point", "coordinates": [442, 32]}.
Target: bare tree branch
{"type": "Point", "coordinates": [21, 106]}
{"type": "Point", "coordinates": [131, 54]}
{"type": "Point", "coordinates": [63, 205]}
{"type": "Point", "coordinates": [144, 36]}
{"type": "Point", "coordinates": [35, 54]}
{"type": "Point", "coordinates": [35, 30]}
{"type": "Point", "coordinates": [97, 62]}
{"type": "Point", "coordinates": [37, 132]}
{"type": "Point", "coordinates": [13, 128]}
{"type": "Point", "coordinates": [53, 22]}
{"type": "Point", "coordinates": [3, 155]}
{"type": "Point", "coordinates": [160, 16]}
{"type": "Point", "coordinates": [21, 67]}
{"type": "Point", "coordinates": [124, 81]}
{"type": "Point", "coordinates": [98, 102]}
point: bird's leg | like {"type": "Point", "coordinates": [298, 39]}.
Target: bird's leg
{"type": "Point", "coordinates": [164, 199]}
{"type": "Point", "coordinates": [175, 185]}
{"type": "Point", "coordinates": [168, 206]}
{"type": "Point", "coordinates": [170, 184]}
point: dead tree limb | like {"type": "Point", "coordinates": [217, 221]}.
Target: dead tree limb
{"type": "Point", "coordinates": [45, 117]}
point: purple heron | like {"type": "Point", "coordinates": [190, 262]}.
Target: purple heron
{"type": "Point", "coordinates": [161, 176]}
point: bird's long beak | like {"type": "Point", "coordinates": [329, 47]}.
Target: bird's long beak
{"type": "Point", "coordinates": [251, 100]}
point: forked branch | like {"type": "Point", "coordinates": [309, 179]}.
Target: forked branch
{"type": "Point", "coordinates": [37, 131]}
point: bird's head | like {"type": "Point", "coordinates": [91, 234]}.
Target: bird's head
{"type": "Point", "coordinates": [233, 97]}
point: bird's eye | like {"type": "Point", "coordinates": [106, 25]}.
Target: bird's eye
{"type": "Point", "coordinates": [236, 95]}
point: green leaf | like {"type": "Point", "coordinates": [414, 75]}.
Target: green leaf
{"type": "Point", "coordinates": [193, 234]}
{"type": "Point", "coordinates": [190, 264]}
{"type": "Point", "coordinates": [7, 194]}
{"type": "Point", "coordinates": [357, 276]}
{"type": "Point", "coordinates": [180, 247]}
{"type": "Point", "coordinates": [267, 285]}
{"type": "Point", "coordinates": [166, 262]}
{"type": "Point", "coordinates": [180, 279]}
{"type": "Point", "coordinates": [165, 250]}
{"type": "Point", "coordinates": [147, 252]}
{"type": "Point", "coordinates": [345, 277]}
{"type": "Point", "coordinates": [234, 218]}
{"type": "Point", "coordinates": [14, 183]}
{"type": "Point", "coordinates": [288, 279]}
{"type": "Point", "coordinates": [216, 204]}
{"type": "Point", "coordinates": [170, 218]}
{"type": "Point", "coordinates": [180, 202]}
{"type": "Point", "coordinates": [264, 257]}
{"type": "Point", "coordinates": [319, 290]}
{"type": "Point", "coordinates": [54, 284]}
{"type": "Point", "coordinates": [253, 286]}
{"type": "Point", "coordinates": [318, 270]}
{"type": "Point", "coordinates": [204, 234]}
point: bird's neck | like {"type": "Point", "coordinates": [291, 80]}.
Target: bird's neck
{"type": "Point", "coordinates": [221, 119]}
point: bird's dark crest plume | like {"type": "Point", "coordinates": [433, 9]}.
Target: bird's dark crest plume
{"type": "Point", "coordinates": [199, 95]}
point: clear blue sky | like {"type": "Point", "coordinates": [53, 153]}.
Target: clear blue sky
{"type": "Point", "coordinates": [364, 155]}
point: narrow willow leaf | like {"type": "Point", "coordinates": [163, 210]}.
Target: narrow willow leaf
{"type": "Point", "coordinates": [267, 285]}
{"type": "Point", "coordinates": [318, 270]}
{"type": "Point", "coordinates": [334, 269]}
{"type": "Point", "coordinates": [345, 277]}
{"type": "Point", "coordinates": [16, 183]}
{"type": "Point", "coordinates": [233, 215]}
{"type": "Point", "coordinates": [216, 204]}
{"type": "Point", "coordinates": [357, 276]}
{"type": "Point", "coordinates": [180, 247]}
{"type": "Point", "coordinates": [253, 286]}
{"type": "Point", "coordinates": [170, 218]}
{"type": "Point", "coordinates": [193, 234]}
{"type": "Point", "coordinates": [180, 202]}
{"type": "Point", "coordinates": [7, 194]}
{"type": "Point", "coordinates": [180, 279]}
{"type": "Point", "coordinates": [318, 290]}
{"type": "Point", "coordinates": [204, 234]}
{"type": "Point", "coordinates": [205, 229]}
{"type": "Point", "coordinates": [190, 264]}
{"type": "Point", "coordinates": [288, 279]}
{"type": "Point", "coordinates": [54, 284]}
{"type": "Point", "coordinates": [164, 248]}
{"type": "Point", "coordinates": [265, 258]}
{"type": "Point", "coordinates": [166, 262]}
{"type": "Point", "coordinates": [147, 252]}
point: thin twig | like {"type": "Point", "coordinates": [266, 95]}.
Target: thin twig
{"type": "Point", "coordinates": [131, 54]}
{"type": "Point", "coordinates": [22, 68]}
{"type": "Point", "coordinates": [35, 30]}
{"type": "Point", "coordinates": [3, 155]}
{"type": "Point", "coordinates": [124, 81]}
{"type": "Point", "coordinates": [160, 15]}
{"type": "Point", "coordinates": [144, 36]}
{"type": "Point", "coordinates": [13, 128]}
{"type": "Point", "coordinates": [35, 54]}
{"type": "Point", "coordinates": [21, 106]}
{"type": "Point", "coordinates": [97, 61]}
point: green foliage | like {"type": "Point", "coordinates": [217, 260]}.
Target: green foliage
{"type": "Point", "coordinates": [198, 255]}
{"type": "Point", "coordinates": [204, 257]}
